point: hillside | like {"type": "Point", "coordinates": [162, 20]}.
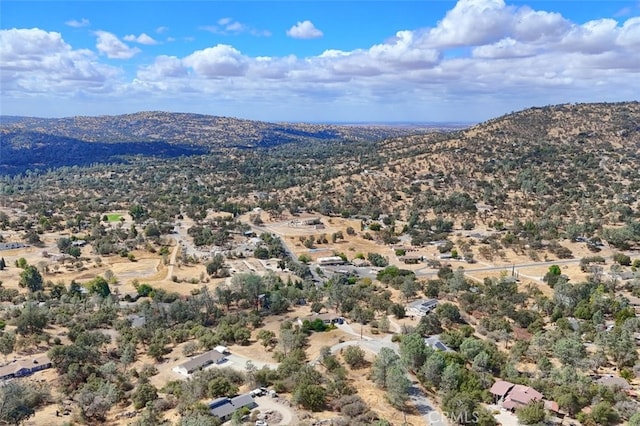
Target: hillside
{"type": "Point", "coordinates": [45, 143]}
{"type": "Point", "coordinates": [556, 165]}
{"type": "Point", "coordinates": [315, 263]}
{"type": "Point", "coordinates": [563, 161]}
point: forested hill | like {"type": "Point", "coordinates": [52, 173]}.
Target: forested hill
{"type": "Point", "coordinates": [185, 129]}
{"type": "Point", "coordinates": [541, 162]}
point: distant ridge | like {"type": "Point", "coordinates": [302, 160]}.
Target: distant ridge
{"type": "Point", "coordinates": [44, 143]}
{"type": "Point", "coordinates": [192, 129]}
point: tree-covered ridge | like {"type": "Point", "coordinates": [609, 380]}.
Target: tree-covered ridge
{"type": "Point", "coordinates": [560, 170]}
{"type": "Point", "coordinates": [190, 129]}
{"type": "Point", "coordinates": [577, 162]}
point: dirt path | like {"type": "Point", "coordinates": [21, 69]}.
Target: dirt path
{"type": "Point", "coordinates": [267, 403]}
{"type": "Point", "coordinates": [172, 261]}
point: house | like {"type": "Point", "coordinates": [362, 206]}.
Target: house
{"type": "Point", "coordinates": [500, 389]}
{"type": "Point", "coordinates": [421, 307]}
{"type": "Point", "coordinates": [199, 362]}
{"type": "Point", "coordinates": [222, 349]}
{"type": "Point", "coordinates": [614, 382]}
{"type": "Point", "coordinates": [25, 367]}
{"type": "Point", "coordinates": [11, 246]}
{"type": "Point", "coordinates": [411, 259]}
{"type": "Point", "coordinates": [331, 260]}
{"type": "Point", "coordinates": [137, 321]}
{"type": "Point", "coordinates": [326, 318]}
{"type": "Point", "coordinates": [519, 396]}
{"type": "Point", "coordinates": [635, 303]}
{"type": "Point", "coordinates": [512, 396]}
{"type": "Point", "coordinates": [224, 407]}
{"type": "Point", "coordinates": [434, 342]}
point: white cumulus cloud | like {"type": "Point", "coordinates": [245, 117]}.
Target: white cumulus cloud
{"type": "Point", "coordinates": [141, 39]}
{"type": "Point", "coordinates": [37, 61]}
{"type": "Point", "coordinates": [219, 61]}
{"type": "Point", "coordinates": [109, 44]}
{"type": "Point", "coordinates": [304, 30]}
{"type": "Point", "coordinates": [84, 22]}
{"type": "Point", "coordinates": [483, 57]}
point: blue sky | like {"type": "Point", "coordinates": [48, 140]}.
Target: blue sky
{"type": "Point", "coordinates": [337, 61]}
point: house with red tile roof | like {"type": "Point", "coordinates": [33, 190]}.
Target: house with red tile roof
{"type": "Point", "coordinates": [512, 396]}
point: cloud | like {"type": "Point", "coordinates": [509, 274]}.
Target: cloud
{"type": "Point", "coordinates": [219, 61]}
{"type": "Point", "coordinates": [229, 26]}
{"type": "Point", "coordinates": [486, 53]}
{"type": "Point", "coordinates": [162, 30]}
{"type": "Point", "coordinates": [163, 67]}
{"type": "Point", "coordinates": [84, 22]}
{"type": "Point", "coordinates": [34, 61]}
{"type": "Point", "coordinates": [141, 39]}
{"type": "Point", "coordinates": [108, 44]}
{"type": "Point", "coordinates": [304, 30]}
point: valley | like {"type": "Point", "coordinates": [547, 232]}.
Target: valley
{"type": "Point", "coordinates": [304, 251]}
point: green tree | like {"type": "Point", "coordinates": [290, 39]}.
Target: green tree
{"type": "Point", "coordinates": [413, 351]}
{"type": "Point", "coordinates": [569, 350]}
{"type": "Point", "coordinates": [448, 312]}
{"type": "Point", "coordinates": [310, 396]}
{"type": "Point", "coordinates": [216, 268]}
{"type": "Point", "coordinates": [64, 244]}
{"type": "Point", "coordinates": [18, 401]}
{"type": "Point", "coordinates": [603, 414]}
{"type": "Point", "coordinates": [220, 386]}
{"type": "Point", "coordinates": [100, 286]}
{"type": "Point", "coordinates": [146, 392]}
{"type": "Point", "coordinates": [75, 252]}
{"type": "Point", "coordinates": [553, 275]}
{"type": "Point", "coordinates": [137, 212]}
{"type": "Point", "coordinates": [532, 413]}
{"type": "Point", "coordinates": [354, 356]}
{"type": "Point", "coordinates": [397, 385]}
{"type": "Point", "coordinates": [433, 368]}
{"type": "Point", "coordinates": [32, 320]}
{"type": "Point", "coordinates": [385, 359]}
{"type": "Point", "coordinates": [267, 338]}
{"type": "Point", "coordinates": [7, 343]}
{"type": "Point", "coordinates": [31, 279]}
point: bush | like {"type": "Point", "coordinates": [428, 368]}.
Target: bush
{"type": "Point", "coordinates": [622, 259]}
{"type": "Point", "coordinates": [354, 356]}
{"type": "Point", "coordinates": [146, 392]}
{"type": "Point", "coordinates": [378, 260]}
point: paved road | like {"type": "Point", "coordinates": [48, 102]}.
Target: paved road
{"type": "Point", "coordinates": [431, 272]}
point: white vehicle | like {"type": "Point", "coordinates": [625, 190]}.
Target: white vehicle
{"type": "Point", "coordinates": [258, 392]}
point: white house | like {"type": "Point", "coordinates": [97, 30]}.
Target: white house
{"type": "Point", "coordinates": [199, 362]}
{"type": "Point", "coordinates": [421, 307]}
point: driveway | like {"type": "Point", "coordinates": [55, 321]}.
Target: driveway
{"type": "Point", "coordinates": [420, 400]}
{"type": "Point", "coordinates": [239, 363]}
{"type": "Point", "coordinates": [267, 403]}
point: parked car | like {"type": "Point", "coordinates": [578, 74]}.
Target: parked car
{"type": "Point", "coordinates": [258, 392]}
